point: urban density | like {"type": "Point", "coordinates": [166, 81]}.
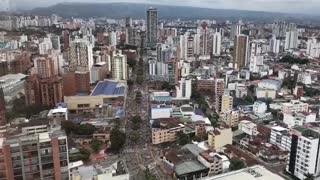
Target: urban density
{"type": "Point", "coordinates": [155, 98]}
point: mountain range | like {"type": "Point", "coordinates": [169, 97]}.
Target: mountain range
{"type": "Point", "coordinates": [135, 10]}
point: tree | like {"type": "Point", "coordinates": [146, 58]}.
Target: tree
{"type": "Point", "coordinates": [136, 120]}
{"type": "Point", "coordinates": [83, 129]}
{"type": "Point", "coordinates": [148, 175]}
{"type": "Point", "coordinates": [249, 99]}
{"type": "Point", "coordinates": [68, 126]}
{"type": "Point", "coordinates": [130, 83]}
{"type": "Point", "coordinates": [196, 139]}
{"type": "Point", "coordinates": [236, 165]}
{"type": "Point", "coordinates": [214, 120]}
{"type": "Point", "coordinates": [117, 139]}
{"type": "Point", "coordinates": [293, 60]}
{"type": "Point", "coordinates": [268, 102]}
{"type": "Point", "coordinates": [139, 79]}
{"type": "Point", "coordinates": [167, 86]}
{"type": "Point", "coordinates": [309, 176]}
{"type": "Point", "coordinates": [182, 138]}
{"type": "Point", "coordinates": [132, 63]}
{"type": "Point", "coordinates": [95, 145]}
{"type": "Point", "coordinates": [85, 154]}
{"type": "Point", "coordinates": [134, 136]}
{"type": "Point", "coordinates": [138, 97]}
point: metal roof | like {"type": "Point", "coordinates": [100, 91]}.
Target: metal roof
{"type": "Point", "coordinates": [108, 88]}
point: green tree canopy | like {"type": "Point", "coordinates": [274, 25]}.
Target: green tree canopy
{"type": "Point", "coordinates": [95, 145]}
{"type": "Point", "coordinates": [118, 139]}
{"type": "Point", "coordinates": [236, 165]}
{"type": "Point", "coordinates": [182, 138]}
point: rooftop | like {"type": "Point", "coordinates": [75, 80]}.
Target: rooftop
{"type": "Point", "coordinates": [252, 173]}
{"type": "Point", "coordinates": [188, 166]}
{"type": "Point", "coordinates": [210, 156]}
{"type": "Point", "coordinates": [186, 109]}
{"type": "Point", "coordinates": [166, 123]}
{"type": "Point", "coordinates": [160, 106]}
{"type": "Point", "coordinates": [109, 88]}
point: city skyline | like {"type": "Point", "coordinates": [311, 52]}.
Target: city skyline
{"type": "Point", "coordinates": [286, 6]}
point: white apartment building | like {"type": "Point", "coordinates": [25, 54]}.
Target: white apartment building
{"type": "Point", "coordinates": [248, 127]}
{"type": "Point", "coordinates": [236, 29]}
{"type": "Point", "coordinates": [274, 44]}
{"type": "Point", "coordinates": [119, 66]}
{"type": "Point", "coordinates": [184, 89]}
{"type": "Point", "coordinates": [46, 46]}
{"type": "Point", "coordinates": [241, 90]}
{"type": "Point", "coordinates": [294, 106]}
{"type": "Point", "coordinates": [298, 118]}
{"type": "Point", "coordinates": [313, 47]}
{"type": "Point", "coordinates": [270, 84]}
{"type": "Point", "coordinates": [305, 78]}
{"type": "Point", "coordinates": [256, 64]}
{"type": "Point", "coordinates": [212, 161]}
{"type": "Point", "coordinates": [291, 40]}
{"type": "Point", "coordinates": [231, 118]}
{"type": "Point", "coordinates": [266, 93]}
{"type": "Point", "coordinates": [304, 156]}
{"type": "Point", "coordinates": [216, 48]}
{"type": "Point", "coordinates": [281, 137]}
{"type": "Point", "coordinates": [259, 107]}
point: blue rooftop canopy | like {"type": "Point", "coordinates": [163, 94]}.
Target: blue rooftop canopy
{"type": "Point", "coordinates": [108, 88]}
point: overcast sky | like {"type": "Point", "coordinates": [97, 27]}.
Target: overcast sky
{"type": "Point", "coordinates": [290, 6]}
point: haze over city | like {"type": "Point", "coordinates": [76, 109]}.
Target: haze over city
{"type": "Point", "coordinates": [287, 6]}
{"type": "Point", "coordinates": [159, 90]}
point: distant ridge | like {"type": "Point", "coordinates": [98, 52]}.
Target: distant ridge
{"type": "Point", "coordinates": [135, 10]}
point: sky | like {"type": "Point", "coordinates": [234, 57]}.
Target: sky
{"type": "Point", "coordinates": [287, 6]}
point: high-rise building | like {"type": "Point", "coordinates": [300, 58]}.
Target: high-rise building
{"type": "Point", "coordinates": [219, 87]}
{"type": "Point", "coordinates": [36, 156]}
{"type": "Point", "coordinates": [66, 39]}
{"type": "Point", "coordinates": [113, 38]}
{"type": "Point", "coordinates": [3, 121]}
{"type": "Point", "coordinates": [255, 48]}
{"type": "Point", "coordinates": [128, 22]}
{"type": "Point", "coordinates": [51, 90]}
{"type": "Point", "coordinates": [55, 42]}
{"type": "Point", "coordinates": [224, 103]}
{"type": "Point", "coordinates": [205, 43]}
{"type": "Point", "coordinates": [184, 89]}
{"type": "Point", "coordinates": [44, 66]}
{"type": "Point", "coordinates": [152, 27]}
{"type": "Point", "coordinates": [313, 47]}
{"type": "Point", "coordinates": [80, 56]}
{"type": "Point", "coordinates": [241, 51]}
{"type": "Point", "coordinates": [45, 47]}
{"type": "Point", "coordinates": [132, 36]}
{"type": "Point", "coordinates": [119, 66]}
{"type": "Point", "coordinates": [304, 152]}
{"type": "Point", "coordinates": [187, 47]}
{"type": "Point", "coordinates": [45, 91]}
{"type": "Point", "coordinates": [291, 40]}
{"type": "Point", "coordinates": [216, 46]}
{"type": "Point", "coordinates": [274, 44]}
{"type": "Point", "coordinates": [256, 63]}
{"type": "Point", "coordinates": [236, 30]}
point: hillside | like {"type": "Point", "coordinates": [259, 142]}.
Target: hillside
{"type": "Point", "coordinates": [120, 10]}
